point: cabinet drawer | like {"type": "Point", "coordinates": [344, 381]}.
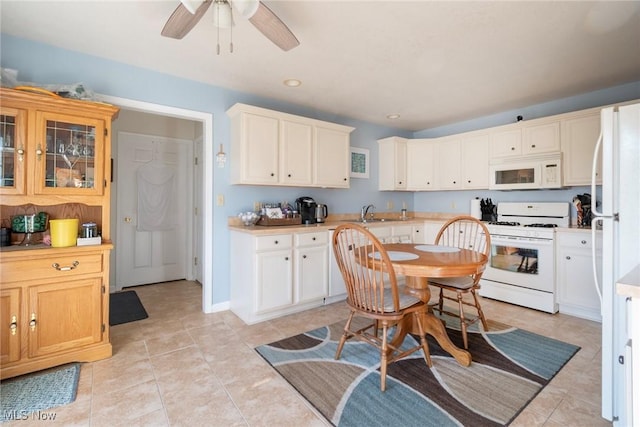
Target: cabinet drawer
{"type": "Point", "coordinates": [307, 239]}
{"type": "Point", "coordinates": [276, 241]}
{"type": "Point", "coordinates": [57, 266]}
{"type": "Point", "coordinates": [577, 240]}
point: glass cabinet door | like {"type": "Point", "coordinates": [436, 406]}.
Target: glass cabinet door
{"type": "Point", "coordinates": [70, 155]}
{"type": "Point", "coordinates": [12, 151]}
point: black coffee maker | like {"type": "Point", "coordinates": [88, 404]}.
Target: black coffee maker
{"type": "Point", "coordinates": [307, 208]}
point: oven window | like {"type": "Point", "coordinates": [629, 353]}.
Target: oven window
{"type": "Point", "coordinates": [516, 176]}
{"type": "Point", "coordinates": [514, 259]}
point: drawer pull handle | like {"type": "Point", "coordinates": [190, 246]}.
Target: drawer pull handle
{"type": "Point", "coordinates": [13, 325]}
{"type": "Point", "coordinates": [67, 268]}
{"type": "Point", "coordinates": [584, 242]}
{"type": "Point", "coordinates": [32, 323]}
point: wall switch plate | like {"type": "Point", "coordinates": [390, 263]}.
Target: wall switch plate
{"type": "Point", "coordinates": [220, 200]}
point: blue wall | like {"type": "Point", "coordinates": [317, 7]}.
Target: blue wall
{"type": "Point", "coordinates": [46, 64]}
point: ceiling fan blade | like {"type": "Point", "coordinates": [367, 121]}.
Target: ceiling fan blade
{"type": "Point", "coordinates": [273, 28]}
{"type": "Point", "coordinates": [182, 21]}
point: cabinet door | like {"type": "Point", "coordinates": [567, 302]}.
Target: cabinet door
{"type": "Point", "coordinates": [69, 155]}
{"type": "Point", "coordinates": [11, 325]}
{"type": "Point", "coordinates": [332, 158]}
{"type": "Point", "coordinates": [259, 148]}
{"type": "Point", "coordinates": [382, 233]}
{"type": "Point", "coordinates": [449, 164]}
{"type": "Point", "coordinates": [579, 138]}
{"type": "Point", "coordinates": [505, 143]}
{"type": "Point", "coordinates": [274, 280]}
{"type": "Point", "coordinates": [296, 165]}
{"type": "Point", "coordinates": [419, 233]}
{"type": "Point", "coordinates": [401, 234]}
{"type": "Point", "coordinates": [543, 138]}
{"type": "Point", "coordinates": [392, 164]}
{"type": "Point", "coordinates": [13, 150]}
{"type": "Point", "coordinates": [577, 294]}
{"type": "Point", "coordinates": [475, 162]}
{"type": "Point", "coordinates": [312, 273]}
{"type": "Point", "coordinates": [420, 165]}
{"type": "Point", "coordinates": [64, 316]}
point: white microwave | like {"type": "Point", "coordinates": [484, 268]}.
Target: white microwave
{"type": "Point", "coordinates": [526, 173]}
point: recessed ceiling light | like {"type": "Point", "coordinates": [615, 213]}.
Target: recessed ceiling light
{"type": "Point", "coordinates": [292, 82]}
{"type": "Point", "coordinates": [393, 116]}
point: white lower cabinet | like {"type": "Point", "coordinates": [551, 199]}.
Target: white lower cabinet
{"type": "Point", "coordinates": [431, 229]}
{"type": "Point", "coordinates": [577, 295]}
{"type": "Point", "coordinates": [311, 267]}
{"type": "Point", "coordinates": [271, 277]}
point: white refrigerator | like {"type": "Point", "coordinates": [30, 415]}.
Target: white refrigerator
{"type": "Point", "coordinates": [619, 214]}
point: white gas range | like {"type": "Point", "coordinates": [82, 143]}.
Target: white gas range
{"type": "Point", "coordinates": [521, 269]}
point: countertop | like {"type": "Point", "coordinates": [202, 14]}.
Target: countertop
{"type": "Point", "coordinates": [629, 285]}
{"type": "Point", "coordinates": [335, 220]}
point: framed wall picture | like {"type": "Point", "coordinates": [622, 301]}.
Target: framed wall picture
{"type": "Point", "coordinates": [359, 163]}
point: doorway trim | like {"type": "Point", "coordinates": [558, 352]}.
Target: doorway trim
{"type": "Point", "coordinates": [207, 169]}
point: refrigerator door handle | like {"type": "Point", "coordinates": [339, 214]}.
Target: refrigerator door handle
{"type": "Point", "coordinates": [593, 258]}
{"type": "Point", "coordinates": [594, 167]}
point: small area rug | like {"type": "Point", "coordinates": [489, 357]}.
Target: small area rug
{"type": "Point", "coordinates": [23, 395]}
{"type": "Point", "coordinates": [125, 307]}
{"type": "Point", "coordinates": [510, 367]}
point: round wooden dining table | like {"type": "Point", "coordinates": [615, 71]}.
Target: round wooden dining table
{"type": "Point", "coordinates": [419, 262]}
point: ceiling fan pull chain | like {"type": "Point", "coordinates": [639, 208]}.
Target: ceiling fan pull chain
{"type": "Point", "coordinates": [231, 38]}
{"type": "Point", "coordinates": [218, 41]}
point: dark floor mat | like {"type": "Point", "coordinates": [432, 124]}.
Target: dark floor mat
{"type": "Point", "coordinates": [125, 307]}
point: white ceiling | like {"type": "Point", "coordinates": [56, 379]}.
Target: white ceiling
{"type": "Point", "coordinates": [434, 63]}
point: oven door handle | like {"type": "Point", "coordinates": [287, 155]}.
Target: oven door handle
{"type": "Point", "coordinates": [512, 239]}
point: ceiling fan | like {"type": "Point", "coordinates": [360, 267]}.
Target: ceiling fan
{"type": "Point", "coordinates": [189, 12]}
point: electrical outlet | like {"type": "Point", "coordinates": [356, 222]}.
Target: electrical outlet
{"type": "Point", "coordinates": [390, 205]}
{"type": "Point", "coordinates": [220, 200]}
{"type": "Point", "coordinates": [256, 206]}
{"type": "Point", "coordinates": [453, 205]}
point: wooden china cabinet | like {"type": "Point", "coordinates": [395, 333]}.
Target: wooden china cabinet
{"type": "Point", "coordinates": [55, 157]}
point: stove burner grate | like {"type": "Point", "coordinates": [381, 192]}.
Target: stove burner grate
{"type": "Point", "coordinates": [509, 223]}
{"type": "Point", "coordinates": [542, 225]}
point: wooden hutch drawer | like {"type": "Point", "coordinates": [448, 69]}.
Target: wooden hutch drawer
{"type": "Point", "coordinates": [56, 266]}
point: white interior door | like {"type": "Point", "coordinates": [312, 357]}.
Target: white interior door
{"type": "Point", "coordinates": [145, 257]}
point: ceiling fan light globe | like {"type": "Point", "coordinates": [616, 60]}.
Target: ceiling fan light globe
{"type": "Point", "coordinates": [192, 5]}
{"type": "Point", "coordinates": [245, 8]}
{"type": "Point", "coordinates": [222, 15]}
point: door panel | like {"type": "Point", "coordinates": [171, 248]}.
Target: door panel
{"type": "Point", "coordinates": [151, 256]}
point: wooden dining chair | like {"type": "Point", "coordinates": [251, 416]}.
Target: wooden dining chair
{"type": "Point", "coordinates": [373, 293]}
{"type": "Point", "coordinates": [464, 232]}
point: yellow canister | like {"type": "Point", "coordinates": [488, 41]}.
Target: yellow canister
{"type": "Point", "coordinates": [64, 232]}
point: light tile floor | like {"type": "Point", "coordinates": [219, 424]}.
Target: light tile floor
{"type": "Point", "coordinates": [181, 367]}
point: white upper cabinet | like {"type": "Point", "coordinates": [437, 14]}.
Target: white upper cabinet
{"type": "Point", "coordinates": [449, 164]}
{"type": "Point", "coordinates": [420, 164]}
{"type": "Point", "coordinates": [525, 138]}
{"type": "Point", "coordinates": [296, 154]}
{"type": "Point", "coordinates": [541, 138]}
{"type": "Point", "coordinates": [505, 142]}
{"type": "Point", "coordinates": [332, 157]}
{"type": "Point", "coordinates": [273, 148]}
{"type": "Point", "coordinates": [257, 139]}
{"type": "Point", "coordinates": [392, 161]}
{"type": "Point", "coordinates": [475, 161]}
{"type": "Point", "coordinates": [579, 137]}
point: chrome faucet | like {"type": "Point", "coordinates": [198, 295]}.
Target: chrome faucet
{"type": "Point", "coordinates": [364, 211]}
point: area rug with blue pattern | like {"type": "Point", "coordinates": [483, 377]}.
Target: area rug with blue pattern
{"type": "Point", "coordinates": [22, 397]}
{"type": "Point", "coordinates": [510, 367]}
